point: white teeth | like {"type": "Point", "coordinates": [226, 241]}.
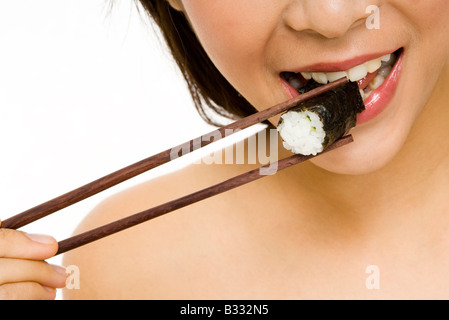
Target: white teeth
{"type": "Point", "coordinates": [355, 74]}
{"type": "Point", "coordinates": [373, 85]}
{"type": "Point", "coordinates": [306, 75]}
{"type": "Point", "coordinates": [320, 77]}
{"type": "Point", "coordinates": [334, 76]}
{"type": "Point", "coordinates": [376, 82]}
{"type": "Point", "coordinates": [373, 65]}
{"type": "Point", "coordinates": [386, 57]}
{"type": "Point", "coordinates": [358, 73]}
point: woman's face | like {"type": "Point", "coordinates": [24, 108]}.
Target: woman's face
{"type": "Point", "coordinates": [255, 42]}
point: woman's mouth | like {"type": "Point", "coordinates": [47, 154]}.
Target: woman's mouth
{"type": "Point", "coordinates": [377, 80]}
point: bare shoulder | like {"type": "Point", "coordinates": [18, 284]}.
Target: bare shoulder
{"type": "Point", "coordinates": [148, 260]}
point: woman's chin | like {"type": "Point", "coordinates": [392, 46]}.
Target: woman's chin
{"type": "Point", "coordinates": [364, 156]}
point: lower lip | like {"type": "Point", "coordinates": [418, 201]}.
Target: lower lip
{"type": "Point", "coordinates": [379, 100]}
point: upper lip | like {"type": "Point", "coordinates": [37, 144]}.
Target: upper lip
{"type": "Point", "coordinates": [341, 65]}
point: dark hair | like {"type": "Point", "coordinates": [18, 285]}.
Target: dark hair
{"type": "Point", "coordinates": [209, 89]}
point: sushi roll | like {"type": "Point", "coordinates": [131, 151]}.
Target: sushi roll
{"type": "Point", "coordinates": [315, 124]}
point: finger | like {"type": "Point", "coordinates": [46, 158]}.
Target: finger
{"type": "Point", "coordinates": [17, 244]}
{"type": "Point", "coordinates": [18, 270]}
{"type": "Point", "coordinates": [26, 291]}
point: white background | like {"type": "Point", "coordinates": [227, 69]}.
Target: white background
{"type": "Point", "coordinates": [84, 90]}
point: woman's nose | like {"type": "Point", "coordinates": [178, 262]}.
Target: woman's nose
{"type": "Point", "coordinates": [329, 18]}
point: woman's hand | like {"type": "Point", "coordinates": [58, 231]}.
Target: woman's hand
{"type": "Point", "coordinates": [23, 272]}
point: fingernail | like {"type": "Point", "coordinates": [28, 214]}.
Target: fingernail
{"type": "Point", "coordinates": [59, 269]}
{"type": "Point", "coordinates": [40, 238]}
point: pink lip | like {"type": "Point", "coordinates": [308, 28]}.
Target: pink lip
{"type": "Point", "coordinates": [341, 66]}
{"type": "Point", "coordinates": [378, 101]}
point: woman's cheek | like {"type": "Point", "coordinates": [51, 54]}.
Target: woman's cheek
{"type": "Point", "coordinates": [234, 36]}
{"type": "Point", "coordinates": [426, 16]}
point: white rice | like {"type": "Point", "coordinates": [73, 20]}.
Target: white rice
{"type": "Point", "coordinates": [302, 132]}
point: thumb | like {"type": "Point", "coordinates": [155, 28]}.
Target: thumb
{"type": "Point", "coordinates": [21, 245]}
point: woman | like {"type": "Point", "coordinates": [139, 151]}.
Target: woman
{"type": "Point", "coordinates": [377, 205]}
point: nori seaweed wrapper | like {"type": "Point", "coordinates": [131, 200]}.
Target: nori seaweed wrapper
{"type": "Point", "coordinates": [337, 109]}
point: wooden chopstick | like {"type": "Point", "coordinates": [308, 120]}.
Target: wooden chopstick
{"type": "Point", "coordinates": [130, 221]}
{"type": "Point", "coordinates": [142, 166]}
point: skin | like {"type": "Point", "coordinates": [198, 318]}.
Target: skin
{"type": "Point", "coordinates": [311, 231]}
{"type": "Point", "coordinates": [24, 274]}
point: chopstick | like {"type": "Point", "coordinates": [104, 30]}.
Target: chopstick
{"type": "Point", "coordinates": [143, 216]}
{"type": "Point", "coordinates": [142, 166]}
